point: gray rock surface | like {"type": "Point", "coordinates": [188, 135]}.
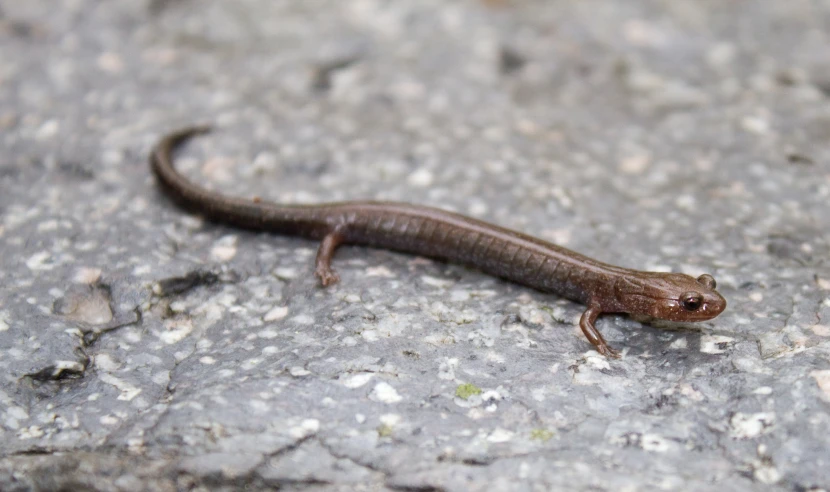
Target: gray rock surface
{"type": "Point", "coordinates": [145, 349]}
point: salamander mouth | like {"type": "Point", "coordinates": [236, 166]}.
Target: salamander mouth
{"type": "Point", "coordinates": [670, 309]}
{"type": "Point", "coordinates": [700, 315]}
{"type": "Point", "coordinates": [705, 312]}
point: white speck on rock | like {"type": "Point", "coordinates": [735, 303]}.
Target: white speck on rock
{"type": "Point", "coordinates": [471, 401]}
{"type": "Point", "coordinates": [207, 360]}
{"type": "Point", "coordinates": [68, 365]}
{"type": "Point", "coordinates": [105, 362]}
{"type": "Point", "coordinates": [597, 360]}
{"type": "Point", "coordinates": [768, 474]}
{"type": "Point", "coordinates": [643, 81]}
{"type": "Point", "coordinates": [820, 330]}
{"type": "Point", "coordinates": [49, 129]}
{"type": "Point", "coordinates": [823, 381]}
{"type": "Point", "coordinates": [679, 344]}
{"type": "Point", "coordinates": [500, 435]}
{"type": "Point", "coordinates": [192, 222]}
{"type": "Point", "coordinates": [755, 124]}
{"type": "Point", "coordinates": [390, 419]}
{"type": "Point", "coordinates": [218, 169]}
{"type": "Point", "coordinates": [421, 178]}
{"type": "Point", "coordinates": [359, 418]}
{"type": "Point", "coordinates": [276, 313]}
{"type": "Point", "coordinates": [635, 164]}
{"type": "Point", "coordinates": [559, 236]}
{"type": "Point", "coordinates": [224, 249]}
{"type": "Point", "coordinates": [460, 295]}
{"type": "Point", "coordinates": [379, 271]}
{"type": "Point", "coordinates": [357, 380]}
{"type": "Point", "coordinates": [385, 393]}
{"type": "Point", "coordinates": [267, 334]}
{"type": "Point", "coordinates": [264, 162]}
{"type": "Point", "coordinates": [349, 341]}
{"type": "Point", "coordinates": [721, 55]}
{"type": "Point", "coordinates": [654, 443]}
{"type": "Point", "coordinates": [16, 413]}
{"type": "Point", "coordinates": [306, 428]}
{"type": "Point", "coordinates": [176, 330]}
{"type": "Point", "coordinates": [31, 432]}
{"type": "Point", "coordinates": [298, 371]}
{"type": "Point", "coordinates": [259, 406]}
{"type": "Point", "coordinates": [439, 339]}
{"type": "Point", "coordinates": [436, 282]}
{"type": "Point", "coordinates": [40, 261]}
{"type": "Point", "coordinates": [303, 319]}
{"type": "Point", "coordinates": [446, 370]}
{"type": "Point", "coordinates": [492, 395]}
{"type": "Point", "coordinates": [86, 275]}
{"type": "Point", "coordinates": [748, 426]}
{"type": "Point", "coordinates": [110, 62]}
{"type": "Point", "coordinates": [690, 392]}
{"type": "Point", "coordinates": [478, 208]}
{"type": "Point", "coordinates": [285, 272]}
{"type": "Point", "coordinates": [128, 391]}
{"type": "Point", "coordinates": [351, 298]}
{"type": "Point", "coordinates": [762, 390]}
{"type": "Point", "coordinates": [686, 202]}
{"type": "Point", "coordinates": [409, 90]}
{"type": "Point", "coordinates": [370, 335]}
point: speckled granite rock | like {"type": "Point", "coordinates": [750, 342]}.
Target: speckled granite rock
{"type": "Point", "coordinates": [145, 349]}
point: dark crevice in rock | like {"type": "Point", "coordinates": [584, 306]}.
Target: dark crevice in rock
{"type": "Point", "coordinates": [416, 488]}
{"type": "Point", "coordinates": [90, 309]}
{"type": "Point", "coordinates": [126, 319]}
{"type": "Point", "coordinates": [64, 370]}
{"type": "Point", "coordinates": [157, 7]}
{"type": "Point", "coordinates": [323, 72]}
{"type": "Point", "coordinates": [510, 61]}
{"type": "Point", "coordinates": [178, 285]}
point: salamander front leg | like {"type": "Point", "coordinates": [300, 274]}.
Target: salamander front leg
{"type": "Point", "coordinates": [322, 267]}
{"type": "Point", "coordinates": [586, 322]}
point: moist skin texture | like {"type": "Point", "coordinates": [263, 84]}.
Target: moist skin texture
{"type": "Point", "coordinates": [436, 233]}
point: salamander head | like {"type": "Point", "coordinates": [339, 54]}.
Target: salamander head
{"type": "Point", "coordinates": [670, 296]}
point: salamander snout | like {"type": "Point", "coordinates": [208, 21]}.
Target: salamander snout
{"type": "Point", "coordinates": [691, 299]}
{"type": "Point", "coordinates": [670, 296]}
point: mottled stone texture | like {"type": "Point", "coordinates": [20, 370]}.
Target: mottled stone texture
{"type": "Point", "coordinates": [145, 349]}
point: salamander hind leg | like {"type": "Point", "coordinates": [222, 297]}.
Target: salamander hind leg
{"type": "Point", "coordinates": [586, 322]}
{"type": "Point", "coordinates": [322, 266]}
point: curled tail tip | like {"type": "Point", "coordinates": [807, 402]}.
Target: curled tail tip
{"type": "Point", "coordinates": [194, 130]}
{"type": "Point", "coordinates": [161, 152]}
{"type": "Point", "coordinates": [201, 129]}
{"type": "Point", "coordinates": [181, 135]}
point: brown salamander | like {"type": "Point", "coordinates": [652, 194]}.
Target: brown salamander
{"type": "Point", "coordinates": [436, 233]}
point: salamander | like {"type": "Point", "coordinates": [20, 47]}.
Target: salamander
{"type": "Point", "coordinates": [448, 236]}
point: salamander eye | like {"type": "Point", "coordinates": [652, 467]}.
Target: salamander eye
{"type": "Point", "coordinates": [691, 301]}
{"type": "Point", "coordinates": [707, 281]}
